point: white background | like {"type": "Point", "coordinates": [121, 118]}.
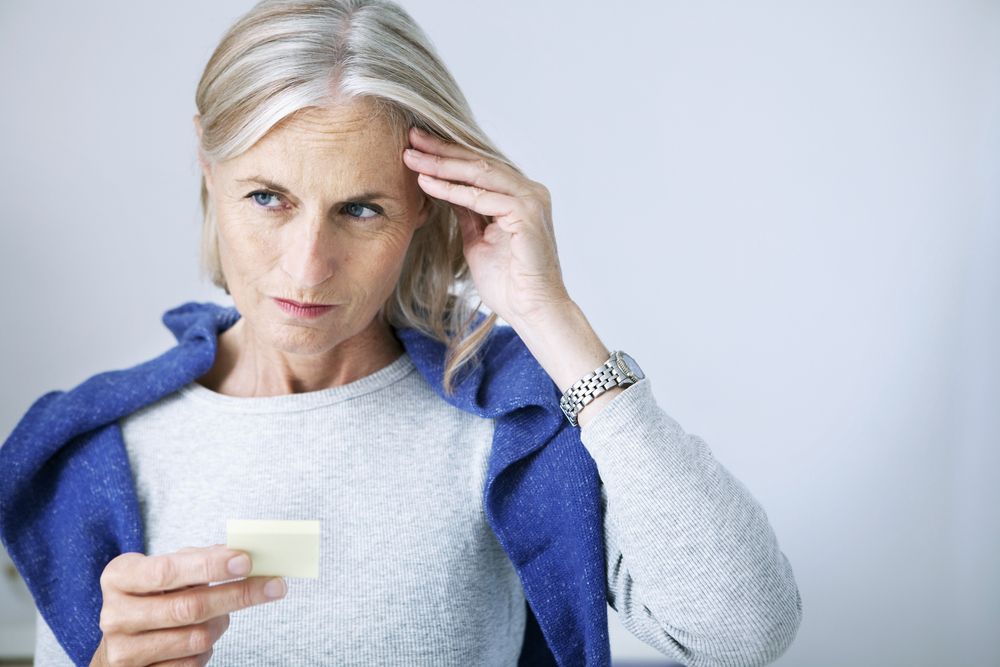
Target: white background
{"type": "Point", "coordinates": [787, 212]}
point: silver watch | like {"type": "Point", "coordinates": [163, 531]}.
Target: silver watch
{"type": "Point", "coordinates": [620, 370]}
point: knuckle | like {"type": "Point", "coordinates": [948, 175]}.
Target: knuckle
{"type": "Point", "coordinates": [200, 639]}
{"type": "Point", "coordinates": [109, 575]}
{"type": "Point", "coordinates": [186, 609]}
{"type": "Point", "coordinates": [163, 572]}
{"type": "Point", "coordinates": [206, 570]}
{"type": "Point", "coordinates": [109, 622]}
{"type": "Point", "coordinates": [116, 655]}
{"type": "Point", "coordinates": [485, 165]}
{"type": "Point", "coordinates": [245, 595]}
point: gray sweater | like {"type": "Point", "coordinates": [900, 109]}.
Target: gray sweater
{"type": "Point", "coordinates": [410, 571]}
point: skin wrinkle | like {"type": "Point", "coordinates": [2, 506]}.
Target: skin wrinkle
{"type": "Point", "coordinates": [308, 248]}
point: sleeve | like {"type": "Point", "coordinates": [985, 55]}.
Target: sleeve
{"type": "Point", "coordinates": [48, 652]}
{"type": "Point", "coordinates": [693, 566]}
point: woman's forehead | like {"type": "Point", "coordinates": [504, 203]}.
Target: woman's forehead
{"type": "Point", "coordinates": [345, 143]}
{"type": "Point", "coordinates": [356, 125]}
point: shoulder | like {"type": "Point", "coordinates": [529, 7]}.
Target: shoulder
{"type": "Point", "coordinates": [57, 416]}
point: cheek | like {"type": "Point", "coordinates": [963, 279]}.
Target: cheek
{"type": "Point", "coordinates": [243, 245]}
{"type": "Point", "coordinates": [389, 262]}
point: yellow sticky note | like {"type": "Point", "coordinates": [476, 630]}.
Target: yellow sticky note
{"type": "Point", "coordinates": [277, 548]}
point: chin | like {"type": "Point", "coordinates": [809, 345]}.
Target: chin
{"type": "Point", "coordinates": [297, 338]}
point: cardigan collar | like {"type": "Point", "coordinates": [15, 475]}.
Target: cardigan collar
{"type": "Point", "coordinates": [507, 379]}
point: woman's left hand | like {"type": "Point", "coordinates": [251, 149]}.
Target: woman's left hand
{"type": "Point", "coordinates": [506, 223]}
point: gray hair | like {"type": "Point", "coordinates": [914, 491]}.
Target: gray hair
{"type": "Point", "coordinates": [285, 55]}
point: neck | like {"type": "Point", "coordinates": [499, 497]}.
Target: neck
{"type": "Point", "coordinates": [246, 367]}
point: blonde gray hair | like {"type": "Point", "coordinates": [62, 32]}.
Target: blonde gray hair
{"type": "Point", "coordinates": [285, 55]}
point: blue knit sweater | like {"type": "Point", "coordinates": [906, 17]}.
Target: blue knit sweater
{"type": "Point", "coordinates": [68, 503]}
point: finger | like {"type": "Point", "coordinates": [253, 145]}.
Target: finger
{"type": "Point", "coordinates": [485, 202]}
{"type": "Point", "coordinates": [471, 225]}
{"type": "Point", "coordinates": [147, 574]}
{"type": "Point", "coordinates": [195, 606]}
{"type": "Point", "coordinates": [435, 146]}
{"type": "Point", "coordinates": [175, 643]}
{"type": "Point", "coordinates": [194, 661]}
{"type": "Point", "coordinates": [480, 172]}
{"type": "Point", "coordinates": [182, 588]}
{"type": "Point", "coordinates": [431, 143]}
{"type": "Point", "coordinates": [213, 546]}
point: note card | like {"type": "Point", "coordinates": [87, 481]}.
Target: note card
{"type": "Point", "coordinates": [277, 548]}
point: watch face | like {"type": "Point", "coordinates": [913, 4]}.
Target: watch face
{"type": "Point", "coordinates": [634, 367]}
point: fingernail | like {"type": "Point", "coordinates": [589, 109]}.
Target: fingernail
{"type": "Point", "coordinates": [275, 588]}
{"type": "Point", "coordinates": [239, 565]}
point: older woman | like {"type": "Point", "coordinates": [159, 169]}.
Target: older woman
{"type": "Point", "coordinates": [484, 490]}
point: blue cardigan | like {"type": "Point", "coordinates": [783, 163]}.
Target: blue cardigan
{"type": "Point", "coordinates": [68, 503]}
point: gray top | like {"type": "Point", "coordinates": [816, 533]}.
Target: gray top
{"type": "Point", "coordinates": [410, 572]}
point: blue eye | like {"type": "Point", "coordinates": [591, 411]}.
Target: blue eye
{"type": "Point", "coordinates": [376, 211]}
{"type": "Point", "coordinates": [352, 209]}
{"type": "Point", "coordinates": [261, 196]}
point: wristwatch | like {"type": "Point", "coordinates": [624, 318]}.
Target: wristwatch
{"type": "Point", "coordinates": [620, 370]}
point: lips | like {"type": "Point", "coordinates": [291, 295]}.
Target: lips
{"type": "Point", "coordinates": [301, 310]}
{"type": "Point", "coordinates": [304, 304]}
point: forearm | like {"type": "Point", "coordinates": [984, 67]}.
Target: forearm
{"type": "Point", "coordinates": [567, 347]}
{"type": "Point", "coordinates": [693, 561]}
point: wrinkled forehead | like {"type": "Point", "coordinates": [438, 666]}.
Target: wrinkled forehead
{"type": "Point", "coordinates": [354, 124]}
{"type": "Point", "coordinates": [351, 143]}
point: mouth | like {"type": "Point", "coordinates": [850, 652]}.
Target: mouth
{"type": "Point", "coordinates": [303, 310]}
{"type": "Point", "coordinates": [305, 304]}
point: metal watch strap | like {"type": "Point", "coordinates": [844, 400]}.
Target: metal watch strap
{"type": "Point", "coordinates": [592, 385]}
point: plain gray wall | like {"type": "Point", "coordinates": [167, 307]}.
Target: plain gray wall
{"type": "Point", "coordinates": [787, 212]}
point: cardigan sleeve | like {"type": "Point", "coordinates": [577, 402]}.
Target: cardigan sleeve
{"type": "Point", "coordinates": [693, 566]}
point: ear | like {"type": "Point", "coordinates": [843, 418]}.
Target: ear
{"type": "Point", "coordinates": [425, 210]}
{"type": "Point", "coordinates": [202, 160]}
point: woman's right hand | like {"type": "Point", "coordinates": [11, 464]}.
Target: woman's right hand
{"type": "Point", "coordinates": [160, 609]}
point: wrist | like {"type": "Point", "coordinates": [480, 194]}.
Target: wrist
{"type": "Point", "coordinates": [563, 343]}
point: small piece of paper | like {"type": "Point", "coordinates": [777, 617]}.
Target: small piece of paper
{"type": "Point", "coordinates": [277, 548]}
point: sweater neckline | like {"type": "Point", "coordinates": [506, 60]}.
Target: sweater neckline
{"type": "Point", "coordinates": [383, 377]}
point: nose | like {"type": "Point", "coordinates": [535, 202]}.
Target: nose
{"type": "Point", "coordinates": [308, 256]}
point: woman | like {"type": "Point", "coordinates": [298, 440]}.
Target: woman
{"type": "Point", "coordinates": [485, 491]}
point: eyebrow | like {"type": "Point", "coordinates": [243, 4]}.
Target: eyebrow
{"type": "Point", "coordinates": [271, 185]}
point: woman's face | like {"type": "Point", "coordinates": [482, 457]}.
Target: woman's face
{"type": "Point", "coordinates": [320, 210]}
